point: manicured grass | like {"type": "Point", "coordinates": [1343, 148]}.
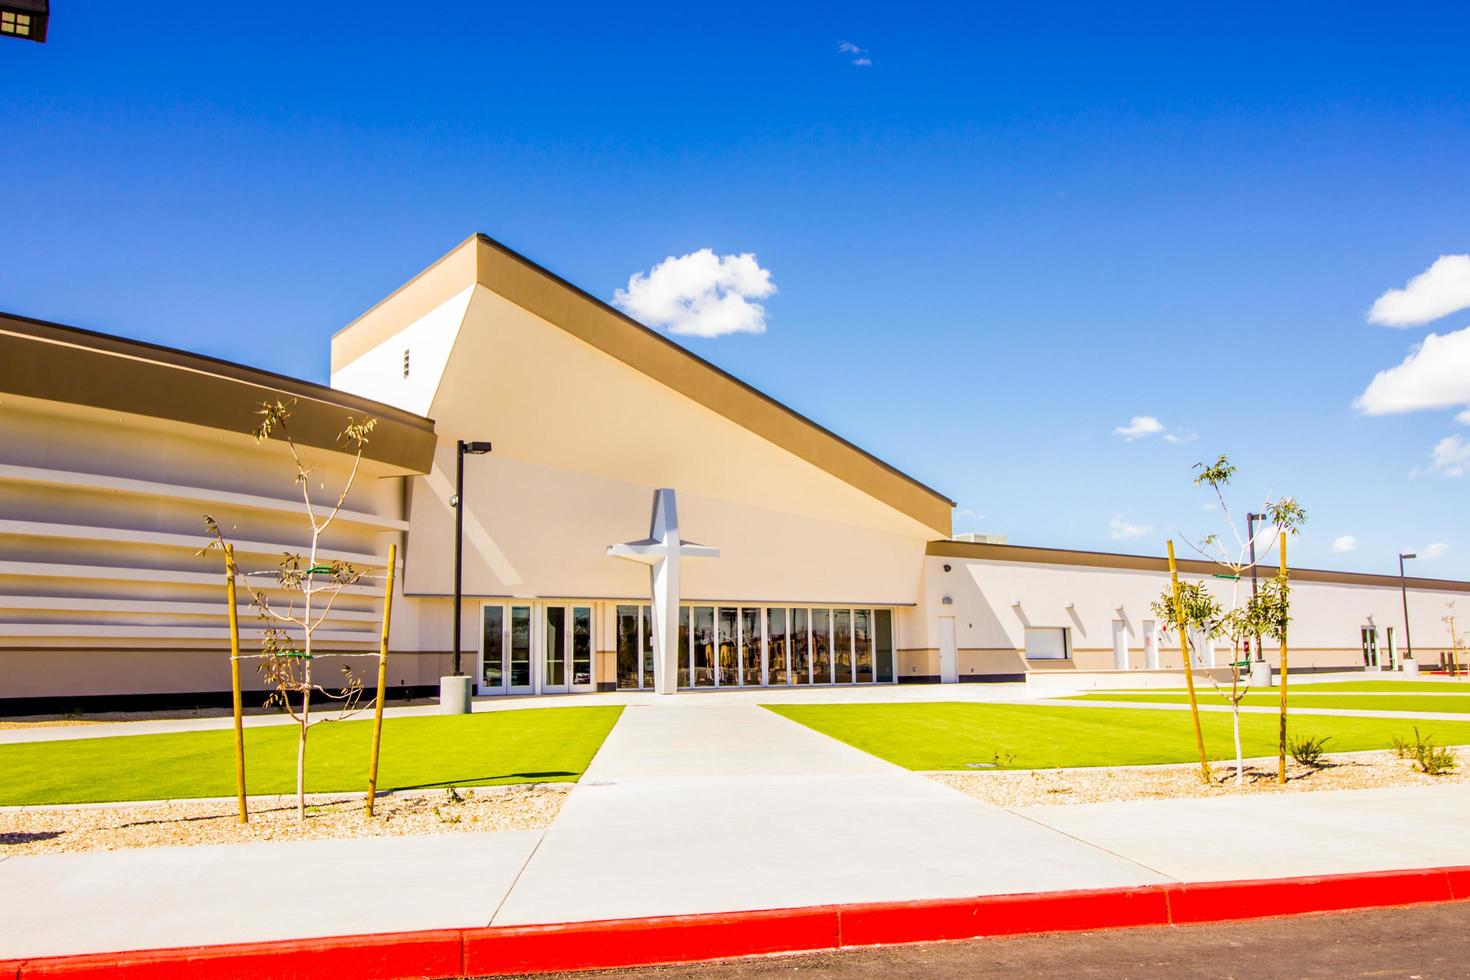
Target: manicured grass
{"type": "Point", "coordinates": [950, 736]}
{"type": "Point", "coordinates": [1453, 703]}
{"type": "Point", "coordinates": [1448, 686]}
{"type": "Point", "coordinates": [489, 748]}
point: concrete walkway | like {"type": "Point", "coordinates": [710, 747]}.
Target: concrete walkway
{"type": "Point", "coordinates": [727, 807]}
{"type": "Point", "coordinates": [709, 804]}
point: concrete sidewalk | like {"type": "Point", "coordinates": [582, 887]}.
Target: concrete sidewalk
{"type": "Point", "coordinates": [709, 805]}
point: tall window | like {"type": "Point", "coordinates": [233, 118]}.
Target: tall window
{"type": "Point", "coordinates": [627, 627]}
{"type": "Point", "coordinates": [776, 645]}
{"type": "Point", "coordinates": [883, 644]}
{"type": "Point", "coordinates": [842, 644]}
{"type": "Point", "coordinates": [493, 628]}
{"type": "Point", "coordinates": [862, 646]}
{"type": "Point", "coordinates": [729, 665]}
{"type": "Point", "coordinates": [684, 651]}
{"type": "Point", "coordinates": [704, 646]}
{"type": "Point", "coordinates": [800, 648]}
{"type": "Point", "coordinates": [581, 645]}
{"type": "Point", "coordinates": [821, 646]}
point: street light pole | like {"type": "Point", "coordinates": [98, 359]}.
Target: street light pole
{"type": "Point", "coordinates": [454, 690]}
{"type": "Point", "coordinates": [1404, 592]}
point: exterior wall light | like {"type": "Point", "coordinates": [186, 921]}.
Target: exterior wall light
{"type": "Point", "coordinates": [25, 19]}
{"type": "Point", "coordinates": [947, 600]}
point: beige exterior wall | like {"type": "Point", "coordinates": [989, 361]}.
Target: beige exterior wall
{"type": "Point", "coordinates": [102, 589]}
{"type": "Point", "coordinates": [993, 602]}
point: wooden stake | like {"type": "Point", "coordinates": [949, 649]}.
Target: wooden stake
{"type": "Point", "coordinates": [235, 683]}
{"type": "Point", "coordinates": [382, 679]}
{"type": "Point", "coordinates": [1199, 735]}
{"type": "Point", "coordinates": [1281, 743]}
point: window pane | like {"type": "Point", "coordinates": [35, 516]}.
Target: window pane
{"type": "Point", "coordinates": [684, 646]}
{"type": "Point", "coordinates": [492, 631]}
{"type": "Point", "coordinates": [862, 646]}
{"type": "Point", "coordinates": [750, 647]}
{"type": "Point", "coordinates": [520, 646]}
{"type": "Point", "coordinates": [555, 652]}
{"type": "Point", "coordinates": [581, 645]}
{"type": "Point", "coordinates": [821, 646]}
{"type": "Point", "coordinates": [1046, 643]}
{"type": "Point", "coordinates": [842, 644]}
{"type": "Point", "coordinates": [800, 665]}
{"type": "Point", "coordinates": [883, 644]}
{"type": "Point", "coordinates": [648, 647]}
{"type": "Point", "coordinates": [729, 665]}
{"type": "Point", "coordinates": [627, 647]}
{"type": "Point", "coordinates": [776, 644]}
{"type": "Point", "coordinates": [704, 646]}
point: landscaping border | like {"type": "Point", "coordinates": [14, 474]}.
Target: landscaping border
{"type": "Point", "coordinates": [689, 938]}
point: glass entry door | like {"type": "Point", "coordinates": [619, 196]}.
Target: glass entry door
{"type": "Point", "coordinates": [566, 649]}
{"type": "Point", "coordinates": [505, 650]}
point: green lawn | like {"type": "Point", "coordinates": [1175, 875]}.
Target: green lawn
{"type": "Point", "coordinates": [1451, 703]}
{"type": "Point", "coordinates": [951, 736]}
{"type": "Point", "coordinates": [1432, 687]}
{"type": "Point", "coordinates": [489, 748]}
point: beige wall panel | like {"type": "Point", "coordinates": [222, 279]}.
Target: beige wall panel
{"type": "Point", "coordinates": [918, 663]}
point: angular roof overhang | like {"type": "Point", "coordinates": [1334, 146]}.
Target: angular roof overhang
{"type": "Point", "coordinates": [480, 260]}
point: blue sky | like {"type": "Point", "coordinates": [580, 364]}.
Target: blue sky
{"type": "Point", "coordinates": [1013, 231]}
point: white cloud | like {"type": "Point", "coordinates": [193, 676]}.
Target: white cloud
{"type": "Point", "coordinates": [1144, 426]}
{"type": "Point", "coordinates": [1121, 530]}
{"type": "Point", "coordinates": [700, 294]}
{"type": "Point", "coordinates": [1451, 456]}
{"type": "Point", "coordinates": [1436, 374]}
{"type": "Point", "coordinates": [1432, 551]}
{"type": "Point", "coordinates": [1344, 544]}
{"type": "Point", "coordinates": [1140, 426]}
{"type": "Point", "coordinates": [1464, 417]}
{"type": "Point", "coordinates": [859, 55]}
{"type": "Point", "coordinates": [970, 514]}
{"type": "Point", "coordinates": [1438, 291]}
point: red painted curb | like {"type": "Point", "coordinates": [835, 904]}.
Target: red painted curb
{"type": "Point", "coordinates": [689, 938]}
{"type": "Point", "coordinates": [641, 942]}
{"type": "Point", "coordinates": [1001, 915]}
{"type": "Point", "coordinates": [1224, 901]}
{"type": "Point", "coordinates": [381, 956]}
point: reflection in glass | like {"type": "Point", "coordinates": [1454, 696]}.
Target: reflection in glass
{"type": "Point", "coordinates": [862, 646]}
{"type": "Point", "coordinates": [555, 650]}
{"type": "Point", "coordinates": [729, 664]}
{"type": "Point", "coordinates": [684, 646]}
{"type": "Point", "coordinates": [647, 648]}
{"type": "Point", "coordinates": [520, 646]}
{"type": "Point", "coordinates": [750, 647]}
{"type": "Point", "coordinates": [842, 644]}
{"type": "Point", "coordinates": [581, 644]}
{"type": "Point", "coordinates": [776, 644]}
{"type": "Point", "coordinates": [704, 646]}
{"type": "Point", "coordinates": [800, 665]}
{"type": "Point", "coordinates": [492, 628]}
{"type": "Point", "coordinates": [883, 644]}
{"type": "Point", "coordinates": [821, 646]}
{"type": "Point", "coordinates": [627, 647]}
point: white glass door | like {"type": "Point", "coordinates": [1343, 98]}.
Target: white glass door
{"type": "Point", "coordinates": [565, 645]}
{"type": "Point", "coordinates": [505, 650]}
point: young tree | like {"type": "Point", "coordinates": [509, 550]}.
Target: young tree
{"type": "Point", "coordinates": [1457, 645]}
{"type": "Point", "coordinates": [312, 587]}
{"type": "Point", "coordinates": [1264, 613]}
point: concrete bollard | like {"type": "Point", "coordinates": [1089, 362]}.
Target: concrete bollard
{"type": "Point", "coordinates": [1260, 674]}
{"type": "Point", "coordinates": [454, 695]}
{"type": "Point", "coordinates": [1411, 668]}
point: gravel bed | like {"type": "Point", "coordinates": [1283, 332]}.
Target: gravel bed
{"type": "Point", "coordinates": [1061, 787]}
{"type": "Point", "coordinates": [111, 827]}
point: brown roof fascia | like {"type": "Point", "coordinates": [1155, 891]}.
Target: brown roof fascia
{"type": "Point", "coordinates": [59, 363]}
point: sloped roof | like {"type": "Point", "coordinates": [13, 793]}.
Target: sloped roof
{"type": "Point", "coordinates": [82, 367]}
{"type": "Point", "coordinates": [481, 260]}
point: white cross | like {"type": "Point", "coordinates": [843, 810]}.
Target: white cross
{"type": "Point", "coordinates": [661, 551]}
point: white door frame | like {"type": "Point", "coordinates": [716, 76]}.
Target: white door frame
{"type": "Point", "coordinates": [949, 661]}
